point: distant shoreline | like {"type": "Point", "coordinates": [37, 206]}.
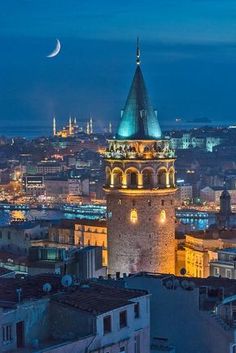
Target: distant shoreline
{"type": "Point", "coordinates": [31, 132]}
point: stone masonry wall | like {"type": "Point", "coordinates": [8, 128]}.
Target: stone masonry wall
{"type": "Point", "coordinates": [148, 244]}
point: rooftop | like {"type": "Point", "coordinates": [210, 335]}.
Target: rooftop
{"type": "Point", "coordinates": [229, 285]}
{"type": "Point", "coordinates": [213, 233]}
{"type": "Point", "coordinates": [228, 250]}
{"type": "Point", "coordinates": [89, 296]}
{"type": "Point", "coordinates": [31, 287]}
{"type": "Point", "coordinates": [69, 224]}
{"type": "Point", "coordinates": [97, 298]}
{"type": "Point", "coordinates": [4, 271]}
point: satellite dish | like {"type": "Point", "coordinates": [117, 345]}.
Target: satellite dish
{"type": "Point", "coordinates": [66, 281]}
{"type": "Point", "coordinates": [47, 287]}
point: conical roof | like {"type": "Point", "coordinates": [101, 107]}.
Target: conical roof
{"type": "Point", "coordinates": [139, 120]}
{"type": "Point", "coordinates": [225, 194]}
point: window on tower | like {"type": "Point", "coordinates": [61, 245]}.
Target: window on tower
{"type": "Point", "coordinates": [163, 216]}
{"type": "Point", "coordinates": [133, 216]}
{"type": "Point", "coordinates": [133, 179]}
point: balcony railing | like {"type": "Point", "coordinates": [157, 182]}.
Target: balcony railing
{"type": "Point", "coordinates": [135, 155]}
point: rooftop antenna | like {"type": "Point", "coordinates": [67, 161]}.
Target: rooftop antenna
{"type": "Point", "coordinates": [138, 61]}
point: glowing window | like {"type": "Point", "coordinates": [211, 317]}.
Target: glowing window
{"type": "Point", "coordinates": [133, 216]}
{"type": "Point", "coordinates": [163, 216]}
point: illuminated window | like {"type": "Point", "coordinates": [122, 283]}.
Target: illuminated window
{"type": "Point", "coordinates": [163, 216]}
{"type": "Point", "coordinates": [133, 216]}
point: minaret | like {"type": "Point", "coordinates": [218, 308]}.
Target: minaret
{"type": "Point", "coordinates": [88, 128]}
{"type": "Point", "coordinates": [91, 125]}
{"type": "Point", "coordinates": [70, 126]}
{"type": "Point", "coordinates": [140, 189]}
{"type": "Point", "coordinates": [54, 128]}
{"type": "Point", "coordinates": [110, 128]}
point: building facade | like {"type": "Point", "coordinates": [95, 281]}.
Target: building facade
{"type": "Point", "coordinates": [140, 189]}
{"type": "Point", "coordinates": [225, 264]}
{"type": "Point", "coordinates": [212, 194]}
{"type": "Point", "coordinates": [92, 233]}
{"type": "Point", "coordinates": [88, 318]}
{"type": "Point", "coordinates": [193, 314]}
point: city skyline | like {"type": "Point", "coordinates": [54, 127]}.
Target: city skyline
{"type": "Point", "coordinates": [189, 68]}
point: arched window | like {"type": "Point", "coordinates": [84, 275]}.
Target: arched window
{"type": "Point", "coordinates": [108, 176]}
{"type": "Point", "coordinates": [132, 178]}
{"type": "Point", "coordinates": [162, 177]}
{"type": "Point", "coordinates": [163, 217]}
{"type": "Point", "coordinates": [172, 177]}
{"type": "Point", "coordinates": [148, 178]}
{"type": "Point", "coordinates": [133, 216]}
{"type": "Point", "coordinates": [117, 178]}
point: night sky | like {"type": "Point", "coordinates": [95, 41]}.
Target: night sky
{"type": "Point", "coordinates": [188, 54]}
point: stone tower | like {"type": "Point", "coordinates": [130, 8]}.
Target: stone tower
{"type": "Point", "coordinates": [223, 217]}
{"type": "Point", "coordinates": [140, 189]}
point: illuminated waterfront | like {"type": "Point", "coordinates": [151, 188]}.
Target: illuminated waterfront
{"type": "Point", "coordinates": [194, 219]}
{"type": "Point", "coordinates": [66, 212]}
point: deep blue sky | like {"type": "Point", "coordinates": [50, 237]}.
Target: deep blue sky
{"type": "Point", "coordinates": [188, 59]}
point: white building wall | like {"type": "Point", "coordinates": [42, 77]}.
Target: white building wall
{"type": "Point", "coordinates": [175, 315]}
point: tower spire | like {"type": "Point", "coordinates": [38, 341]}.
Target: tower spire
{"type": "Point", "coordinates": [138, 61]}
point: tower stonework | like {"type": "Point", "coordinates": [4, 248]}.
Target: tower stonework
{"type": "Point", "coordinates": [140, 189]}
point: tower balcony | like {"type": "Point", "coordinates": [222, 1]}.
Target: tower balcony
{"type": "Point", "coordinates": [139, 150]}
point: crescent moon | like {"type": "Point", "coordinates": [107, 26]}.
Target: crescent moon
{"type": "Point", "coordinates": [56, 51]}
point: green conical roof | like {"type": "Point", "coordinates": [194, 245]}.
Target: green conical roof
{"type": "Point", "coordinates": [139, 120]}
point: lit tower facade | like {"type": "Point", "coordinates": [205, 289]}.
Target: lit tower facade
{"type": "Point", "coordinates": [140, 189]}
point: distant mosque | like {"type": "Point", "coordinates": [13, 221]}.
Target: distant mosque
{"type": "Point", "coordinates": [73, 128]}
{"type": "Point", "coordinates": [69, 130]}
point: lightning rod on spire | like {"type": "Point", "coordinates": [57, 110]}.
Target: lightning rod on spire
{"type": "Point", "coordinates": [138, 61]}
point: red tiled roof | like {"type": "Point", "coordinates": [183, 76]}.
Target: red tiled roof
{"type": "Point", "coordinates": [98, 299]}
{"type": "Point", "coordinates": [32, 287]}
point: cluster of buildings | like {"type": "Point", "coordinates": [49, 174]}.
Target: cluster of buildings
{"type": "Point", "coordinates": [203, 138]}
{"type": "Point", "coordinates": [55, 168]}
{"type": "Point", "coordinates": [48, 314]}
{"type": "Point", "coordinates": [77, 247]}
{"type": "Point", "coordinates": [130, 282]}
